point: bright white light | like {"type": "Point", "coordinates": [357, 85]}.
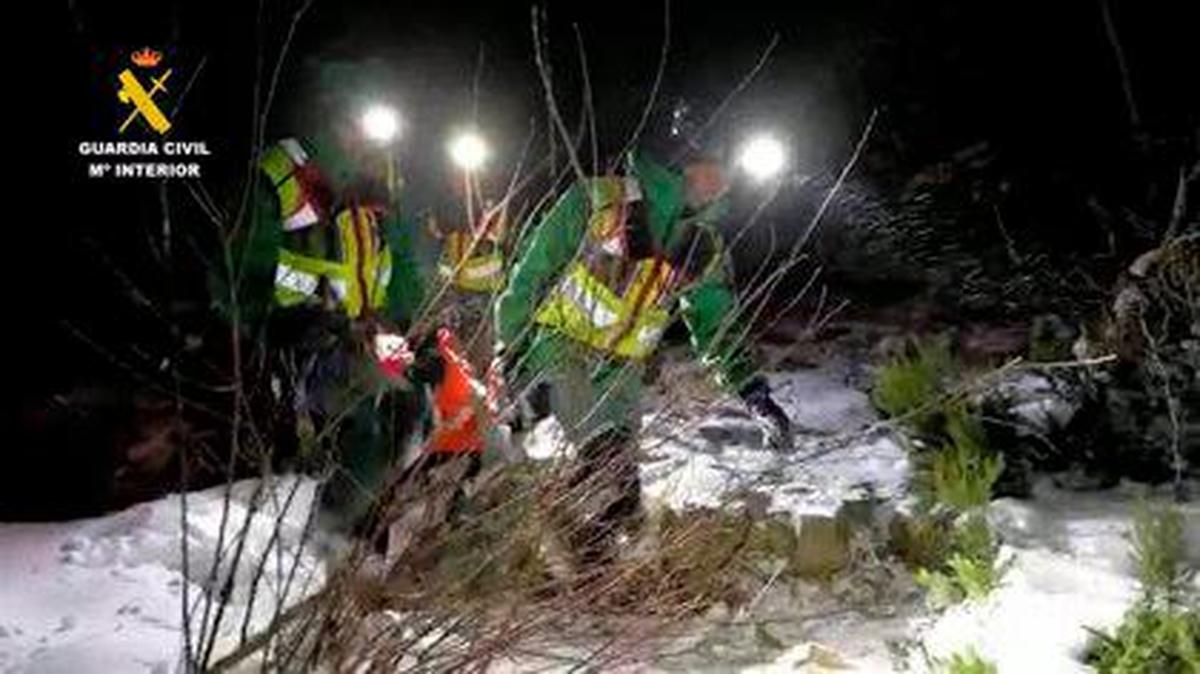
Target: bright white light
{"type": "Point", "coordinates": [469, 151]}
{"type": "Point", "coordinates": [380, 124]}
{"type": "Point", "coordinates": [762, 157]}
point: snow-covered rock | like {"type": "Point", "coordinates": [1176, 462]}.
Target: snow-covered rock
{"type": "Point", "coordinates": [714, 456]}
{"type": "Point", "coordinates": [1037, 403]}
{"type": "Point", "coordinates": [719, 457]}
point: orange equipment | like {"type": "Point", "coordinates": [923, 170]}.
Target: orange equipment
{"type": "Point", "coordinates": [460, 416]}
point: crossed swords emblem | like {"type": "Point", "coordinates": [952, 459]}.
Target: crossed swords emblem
{"type": "Point", "coordinates": [142, 100]}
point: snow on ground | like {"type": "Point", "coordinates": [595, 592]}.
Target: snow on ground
{"type": "Point", "coordinates": [104, 594]}
{"type": "Point", "coordinates": [717, 457]}
{"type": "Point", "coordinates": [1071, 563]}
{"type": "Point", "coordinates": [720, 456]}
{"type": "Point", "coordinates": [1071, 570]}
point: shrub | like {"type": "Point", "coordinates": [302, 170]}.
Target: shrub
{"type": "Point", "coordinates": [912, 385]}
{"type": "Point", "coordinates": [1161, 640]}
{"type": "Point", "coordinates": [1158, 550]}
{"type": "Point", "coordinates": [950, 542]}
{"type": "Point", "coordinates": [922, 541]}
{"type": "Point", "coordinates": [963, 472]}
{"type": "Point", "coordinates": [970, 571]}
{"type": "Point", "coordinates": [1161, 633]}
{"type": "Point", "coordinates": [965, 663]}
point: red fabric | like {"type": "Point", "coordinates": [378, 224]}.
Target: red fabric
{"type": "Point", "coordinates": [315, 188]}
{"type": "Point", "coordinates": [457, 427]}
{"type": "Point", "coordinates": [393, 360]}
{"type": "Point", "coordinates": [392, 366]}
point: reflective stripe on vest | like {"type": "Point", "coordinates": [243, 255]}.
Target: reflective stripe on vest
{"type": "Point", "coordinates": [297, 277]}
{"type": "Point", "coordinates": [363, 273]}
{"type": "Point", "coordinates": [483, 272]}
{"type": "Point", "coordinates": [366, 264]}
{"type": "Point", "coordinates": [293, 286]}
{"type": "Point", "coordinates": [584, 308]}
{"type": "Point", "coordinates": [296, 280]}
{"type": "Point", "coordinates": [281, 162]}
{"type": "Point", "coordinates": [360, 278]}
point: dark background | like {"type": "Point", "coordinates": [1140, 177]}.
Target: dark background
{"type": "Point", "coordinates": [1037, 80]}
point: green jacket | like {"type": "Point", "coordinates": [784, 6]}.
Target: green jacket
{"type": "Point", "coordinates": [706, 304]}
{"type": "Point", "coordinates": [257, 246]}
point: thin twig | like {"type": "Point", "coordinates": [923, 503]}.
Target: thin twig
{"type": "Point", "coordinates": [761, 63]}
{"type": "Point", "coordinates": [653, 98]}
{"type": "Point", "coordinates": [1110, 29]}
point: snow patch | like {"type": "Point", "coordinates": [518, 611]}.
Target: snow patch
{"type": "Point", "coordinates": [720, 456]}
{"type": "Point", "coordinates": [105, 594]}
{"type": "Point", "coordinates": [1072, 571]}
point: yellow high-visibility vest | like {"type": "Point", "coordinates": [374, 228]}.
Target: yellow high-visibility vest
{"type": "Point", "coordinates": [630, 325]}
{"type": "Point", "coordinates": [359, 278]}
{"type": "Point", "coordinates": [281, 162]}
{"type": "Point", "coordinates": [481, 272]}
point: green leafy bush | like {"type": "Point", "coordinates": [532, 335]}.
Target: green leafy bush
{"type": "Point", "coordinates": [1158, 549]}
{"type": "Point", "coordinates": [965, 663]}
{"type": "Point", "coordinates": [1161, 633]}
{"type": "Point", "coordinates": [1151, 639]}
{"type": "Point", "coordinates": [949, 543]}
{"type": "Point", "coordinates": [910, 386]}
{"type": "Point", "coordinates": [963, 472]}
{"type": "Point", "coordinates": [971, 570]}
{"type": "Point", "coordinates": [960, 469]}
{"type": "Point", "coordinates": [977, 577]}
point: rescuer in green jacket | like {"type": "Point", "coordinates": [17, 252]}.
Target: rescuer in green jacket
{"type": "Point", "coordinates": [327, 267]}
{"type": "Point", "coordinates": [593, 288]}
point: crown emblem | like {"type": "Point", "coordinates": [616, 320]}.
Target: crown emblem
{"type": "Point", "coordinates": [146, 57]}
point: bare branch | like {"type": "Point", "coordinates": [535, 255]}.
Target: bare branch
{"type": "Point", "coordinates": [1110, 29]}
{"type": "Point", "coordinates": [658, 77]}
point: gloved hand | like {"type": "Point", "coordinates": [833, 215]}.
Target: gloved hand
{"type": "Point", "coordinates": [776, 425]}
{"type": "Point", "coordinates": [392, 354]}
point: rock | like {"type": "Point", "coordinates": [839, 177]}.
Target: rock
{"type": "Point", "coordinates": [1151, 395]}
{"type": "Point", "coordinates": [1039, 422]}
{"type": "Point", "coordinates": [1094, 426]}
{"type": "Point", "coordinates": [1035, 403]}
{"type": "Point", "coordinates": [708, 459]}
{"type": "Point", "coordinates": [822, 545]}
{"type": "Point", "coordinates": [810, 657]}
{"type": "Point", "coordinates": [818, 400]}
